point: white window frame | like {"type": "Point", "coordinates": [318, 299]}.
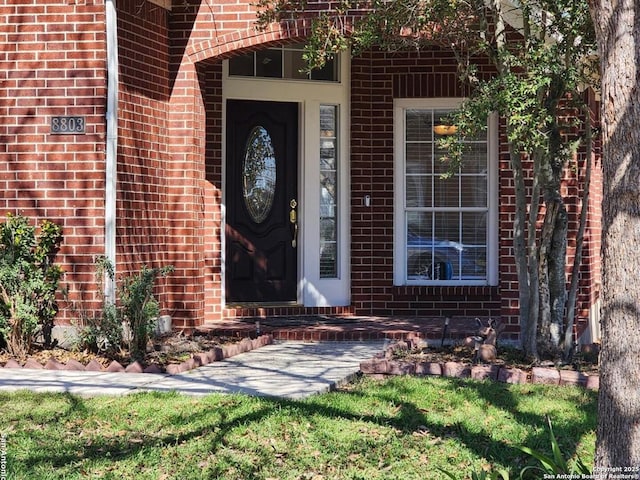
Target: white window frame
{"type": "Point", "coordinates": [298, 48]}
{"type": "Point", "coordinates": [400, 240]}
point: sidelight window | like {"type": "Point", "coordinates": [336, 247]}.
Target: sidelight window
{"type": "Point", "coordinates": [328, 191]}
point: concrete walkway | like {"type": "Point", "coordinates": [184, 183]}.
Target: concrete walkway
{"type": "Point", "coordinates": [285, 369]}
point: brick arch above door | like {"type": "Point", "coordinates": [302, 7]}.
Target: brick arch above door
{"type": "Point", "coordinates": [223, 46]}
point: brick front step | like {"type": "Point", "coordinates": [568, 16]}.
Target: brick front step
{"type": "Point", "coordinates": [318, 328]}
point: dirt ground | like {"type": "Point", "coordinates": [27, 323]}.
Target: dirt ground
{"type": "Point", "coordinates": [586, 362]}
{"type": "Point", "coordinates": [162, 351]}
{"type": "Point", "coordinates": [177, 347]}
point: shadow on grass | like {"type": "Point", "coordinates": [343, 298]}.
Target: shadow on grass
{"type": "Point", "coordinates": [509, 401]}
{"type": "Point", "coordinates": [407, 405]}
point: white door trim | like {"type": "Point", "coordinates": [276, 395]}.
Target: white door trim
{"type": "Point", "coordinates": [313, 291]}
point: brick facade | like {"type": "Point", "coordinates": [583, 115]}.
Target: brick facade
{"type": "Point", "coordinates": [143, 199]}
{"type": "Point", "coordinates": [377, 79]}
{"type": "Point", "coordinates": [52, 63]}
{"type": "Point", "coordinates": [170, 154]}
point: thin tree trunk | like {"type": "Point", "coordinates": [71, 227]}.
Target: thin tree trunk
{"type": "Point", "coordinates": [553, 241]}
{"type": "Point", "coordinates": [617, 26]}
{"type": "Point", "coordinates": [527, 285]}
{"type": "Point", "coordinates": [527, 298]}
{"type": "Point", "coordinates": [577, 260]}
{"type": "Point", "coordinates": [533, 257]}
{"type": "Point", "coordinates": [558, 277]}
{"type": "Point", "coordinates": [544, 329]}
{"type": "Point", "coordinates": [552, 278]}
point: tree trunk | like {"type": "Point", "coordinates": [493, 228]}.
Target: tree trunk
{"type": "Point", "coordinates": [553, 290]}
{"type": "Point", "coordinates": [557, 260]}
{"type": "Point", "coordinates": [568, 344]}
{"type": "Point", "coordinates": [558, 277]}
{"type": "Point", "coordinates": [528, 312]}
{"type": "Point", "coordinates": [617, 25]}
{"type": "Point", "coordinates": [545, 346]}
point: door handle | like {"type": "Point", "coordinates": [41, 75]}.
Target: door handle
{"type": "Point", "coordinates": [293, 220]}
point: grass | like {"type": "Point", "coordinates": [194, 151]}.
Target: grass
{"type": "Point", "coordinates": [402, 428]}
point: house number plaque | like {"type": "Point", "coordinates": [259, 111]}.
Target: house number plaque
{"type": "Point", "coordinates": [67, 125]}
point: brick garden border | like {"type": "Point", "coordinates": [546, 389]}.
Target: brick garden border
{"type": "Point", "coordinates": [384, 365]}
{"type": "Point", "coordinates": [197, 360]}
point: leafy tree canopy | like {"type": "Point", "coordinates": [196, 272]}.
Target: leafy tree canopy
{"type": "Point", "coordinates": [542, 57]}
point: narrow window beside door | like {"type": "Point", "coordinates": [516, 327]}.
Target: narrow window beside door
{"type": "Point", "coordinates": [328, 191]}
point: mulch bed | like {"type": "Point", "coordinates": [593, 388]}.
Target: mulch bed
{"type": "Point", "coordinates": [411, 358]}
{"type": "Point", "coordinates": [172, 353]}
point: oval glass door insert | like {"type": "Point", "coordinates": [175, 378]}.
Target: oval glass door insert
{"type": "Point", "coordinates": [259, 174]}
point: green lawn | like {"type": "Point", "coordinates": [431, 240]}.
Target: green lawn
{"type": "Point", "coordinates": [403, 428]}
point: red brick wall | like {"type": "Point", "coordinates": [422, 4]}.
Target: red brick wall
{"type": "Point", "coordinates": [377, 79]}
{"type": "Point", "coordinates": [204, 33]}
{"type": "Point", "coordinates": [593, 285]}
{"type": "Point", "coordinates": [509, 297]}
{"type": "Point", "coordinates": [187, 131]}
{"type": "Point", "coordinates": [211, 83]}
{"type": "Point", "coordinates": [143, 149]}
{"type": "Point", "coordinates": [52, 62]}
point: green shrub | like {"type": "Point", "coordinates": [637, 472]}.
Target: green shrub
{"type": "Point", "coordinates": [136, 308]}
{"type": "Point", "coordinates": [28, 281]}
{"type": "Point", "coordinates": [100, 332]}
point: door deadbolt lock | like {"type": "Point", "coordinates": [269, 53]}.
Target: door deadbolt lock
{"type": "Point", "coordinates": [293, 215]}
{"type": "Point", "coordinates": [293, 220]}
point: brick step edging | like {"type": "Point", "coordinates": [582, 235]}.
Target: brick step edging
{"type": "Point", "coordinates": [196, 360]}
{"type": "Point", "coordinates": [537, 375]}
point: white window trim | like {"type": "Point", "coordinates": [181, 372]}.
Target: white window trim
{"type": "Point", "coordinates": [400, 248]}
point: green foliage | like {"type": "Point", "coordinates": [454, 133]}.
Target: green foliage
{"type": "Point", "coordinates": [554, 56]}
{"type": "Point", "coordinates": [551, 61]}
{"type": "Point", "coordinates": [404, 428]}
{"type": "Point", "coordinates": [28, 281]}
{"type": "Point", "coordinates": [136, 307]}
{"type": "Point", "coordinates": [101, 332]}
{"type": "Point", "coordinates": [542, 56]}
{"type": "Point", "coordinates": [549, 466]}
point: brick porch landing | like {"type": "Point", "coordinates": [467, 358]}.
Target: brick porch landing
{"type": "Point", "coordinates": [329, 328]}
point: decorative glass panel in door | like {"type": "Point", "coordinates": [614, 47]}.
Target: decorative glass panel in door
{"type": "Point", "coordinates": [259, 174]}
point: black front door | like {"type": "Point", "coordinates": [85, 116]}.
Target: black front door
{"type": "Point", "coordinates": [261, 201]}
